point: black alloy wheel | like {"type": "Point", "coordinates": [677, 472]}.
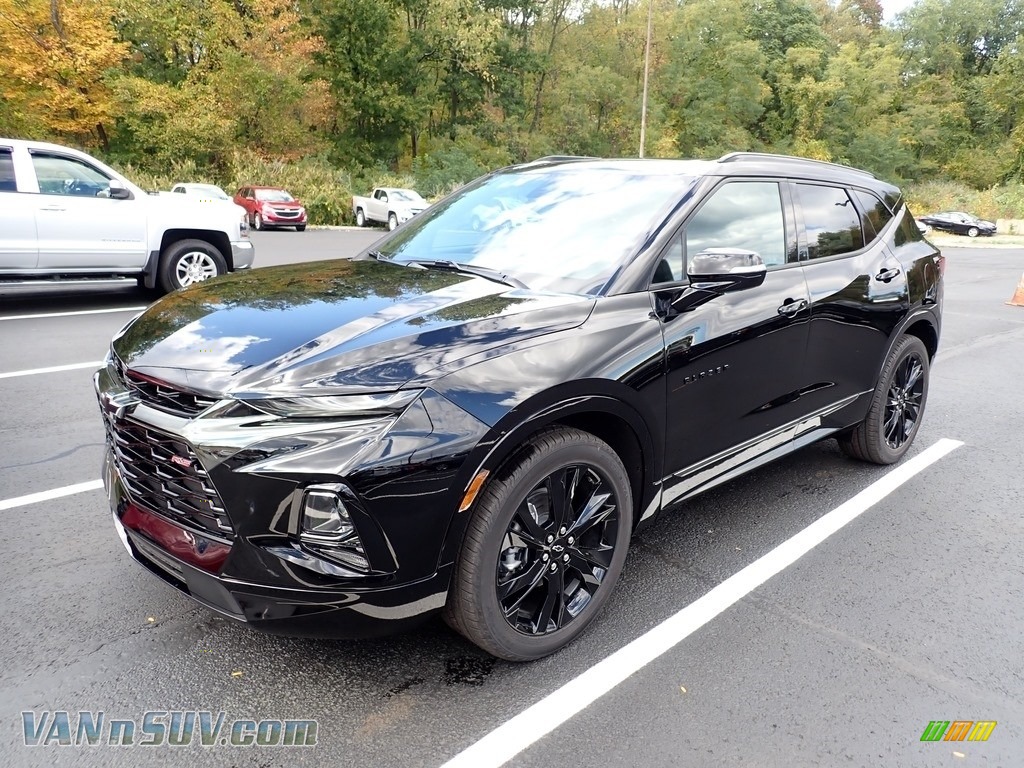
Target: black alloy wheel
{"type": "Point", "coordinates": [544, 546]}
{"type": "Point", "coordinates": [896, 408]}
{"type": "Point", "coordinates": [557, 550]}
{"type": "Point", "coordinates": [906, 396]}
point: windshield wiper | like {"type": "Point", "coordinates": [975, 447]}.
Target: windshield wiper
{"type": "Point", "coordinates": [466, 269]}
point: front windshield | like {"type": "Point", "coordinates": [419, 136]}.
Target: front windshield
{"type": "Point", "coordinates": [406, 196]}
{"type": "Point", "coordinates": [562, 228]}
{"type": "Point", "coordinates": [211, 190]}
{"type": "Point", "coordinates": [273, 196]}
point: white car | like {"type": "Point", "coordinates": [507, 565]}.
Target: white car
{"type": "Point", "coordinates": [388, 205]}
{"type": "Point", "coordinates": [64, 214]}
{"type": "Point", "coordinates": [204, 192]}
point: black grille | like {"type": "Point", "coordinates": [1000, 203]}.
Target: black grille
{"type": "Point", "coordinates": [292, 214]}
{"type": "Point", "coordinates": [163, 474]}
{"type": "Point", "coordinates": [163, 397]}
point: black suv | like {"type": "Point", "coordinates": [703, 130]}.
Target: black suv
{"type": "Point", "coordinates": [476, 416]}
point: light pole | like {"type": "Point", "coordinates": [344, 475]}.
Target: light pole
{"type": "Point", "coordinates": [647, 68]}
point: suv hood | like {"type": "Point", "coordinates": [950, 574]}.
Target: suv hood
{"type": "Point", "coordinates": [333, 327]}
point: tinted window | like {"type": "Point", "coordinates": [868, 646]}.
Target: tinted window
{"type": "Point", "coordinates": [832, 223]}
{"type": "Point", "coordinates": [746, 215]}
{"type": "Point", "coordinates": [7, 181]}
{"type": "Point", "coordinates": [670, 268]}
{"type": "Point", "coordinates": [876, 214]}
{"type": "Point", "coordinates": [67, 176]}
{"type": "Point", "coordinates": [907, 232]}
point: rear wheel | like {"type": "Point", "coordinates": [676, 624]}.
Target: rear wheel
{"type": "Point", "coordinates": [188, 262]}
{"type": "Point", "coordinates": [896, 409]}
{"type": "Point", "coordinates": [544, 547]}
{"type": "Point", "coordinates": [360, 218]}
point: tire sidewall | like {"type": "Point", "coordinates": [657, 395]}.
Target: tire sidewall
{"type": "Point", "coordinates": [169, 261]}
{"type": "Point", "coordinates": [509, 498]}
{"type": "Point", "coordinates": [907, 346]}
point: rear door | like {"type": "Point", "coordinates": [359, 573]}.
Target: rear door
{"type": "Point", "coordinates": [858, 289]}
{"type": "Point", "coordinates": [18, 247]}
{"type": "Point", "coordinates": [80, 227]}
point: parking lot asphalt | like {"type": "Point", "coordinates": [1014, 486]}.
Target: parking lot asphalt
{"type": "Point", "coordinates": [912, 612]}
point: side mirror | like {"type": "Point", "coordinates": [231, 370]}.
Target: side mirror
{"type": "Point", "coordinates": [118, 191]}
{"type": "Point", "coordinates": [726, 269]}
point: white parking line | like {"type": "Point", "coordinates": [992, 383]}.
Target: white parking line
{"type": "Point", "coordinates": [56, 493]}
{"type": "Point", "coordinates": [51, 369]}
{"type": "Point", "coordinates": [508, 740]}
{"type": "Point", "coordinates": [71, 314]}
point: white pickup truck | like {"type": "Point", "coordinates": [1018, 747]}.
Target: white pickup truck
{"type": "Point", "coordinates": [388, 205]}
{"type": "Point", "coordinates": [65, 215]}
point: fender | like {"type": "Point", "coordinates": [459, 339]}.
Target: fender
{"type": "Point", "coordinates": [548, 408]}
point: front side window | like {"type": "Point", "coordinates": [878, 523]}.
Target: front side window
{"type": "Point", "coordinates": [8, 182]}
{"type": "Point", "coordinates": [564, 228]}
{"type": "Point", "coordinates": [741, 214]}
{"type": "Point", "coordinates": [830, 219]}
{"type": "Point", "coordinates": [67, 176]}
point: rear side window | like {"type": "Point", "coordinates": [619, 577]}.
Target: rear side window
{"type": "Point", "coordinates": [876, 214]}
{"type": "Point", "coordinates": [832, 223]}
{"type": "Point", "coordinates": [7, 181]}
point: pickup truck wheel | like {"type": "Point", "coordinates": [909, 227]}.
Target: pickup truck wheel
{"type": "Point", "coordinates": [188, 262]}
{"type": "Point", "coordinates": [360, 218]}
{"type": "Point", "coordinates": [392, 222]}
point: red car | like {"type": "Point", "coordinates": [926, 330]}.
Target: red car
{"type": "Point", "coordinates": [271, 207]}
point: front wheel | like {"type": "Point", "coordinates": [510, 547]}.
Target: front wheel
{"type": "Point", "coordinates": [896, 409]}
{"type": "Point", "coordinates": [544, 547]}
{"type": "Point", "coordinates": [257, 222]}
{"type": "Point", "coordinates": [188, 262]}
{"type": "Point", "coordinates": [392, 222]}
{"type": "Point", "coordinates": [972, 232]}
{"type": "Point", "coordinates": [300, 228]}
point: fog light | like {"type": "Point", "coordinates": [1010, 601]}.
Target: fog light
{"type": "Point", "coordinates": [325, 517]}
{"type": "Point", "coordinates": [328, 530]}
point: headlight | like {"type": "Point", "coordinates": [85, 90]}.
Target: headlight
{"type": "Point", "coordinates": [334, 406]}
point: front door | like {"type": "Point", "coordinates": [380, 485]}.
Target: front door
{"type": "Point", "coordinates": [735, 360]}
{"type": "Point", "coordinates": [80, 227]}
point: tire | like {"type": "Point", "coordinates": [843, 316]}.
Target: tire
{"type": "Point", "coordinates": [300, 228]}
{"type": "Point", "coordinates": [498, 544]}
{"type": "Point", "coordinates": [972, 232]}
{"type": "Point", "coordinates": [257, 222]}
{"type": "Point", "coordinates": [392, 222]}
{"type": "Point", "coordinates": [360, 218]}
{"type": "Point", "coordinates": [893, 418]}
{"type": "Point", "coordinates": [187, 262]}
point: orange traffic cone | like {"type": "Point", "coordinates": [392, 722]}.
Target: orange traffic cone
{"type": "Point", "coordinates": [1018, 296]}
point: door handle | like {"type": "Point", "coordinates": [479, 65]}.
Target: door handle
{"type": "Point", "coordinates": [886, 275]}
{"type": "Point", "coordinates": [792, 307]}
{"type": "Point", "coordinates": [53, 208]}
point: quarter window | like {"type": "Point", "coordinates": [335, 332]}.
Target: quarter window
{"type": "Point", "coordinates": [743, 214]}
{"type": "Point", "coordinates": [876, 214]}
{"type": "Point", "coordinates": [832, 223]}
{"type": "Point", "coordinates": [67, 176]}
{"type": "Point", "coordinates": [8, 183]}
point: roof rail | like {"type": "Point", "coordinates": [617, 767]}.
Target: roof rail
{"type": "Point", "coordinates": [733, 157]}
{"type": "Point", "coordinates": [559, 158]}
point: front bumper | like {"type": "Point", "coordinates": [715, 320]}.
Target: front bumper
{"type": "Point", "coordinates": [212, 506]}
{"type": "Point", "coordinates": [243, 254]}
{"type": "Point", "coordinates": [336, 612]}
